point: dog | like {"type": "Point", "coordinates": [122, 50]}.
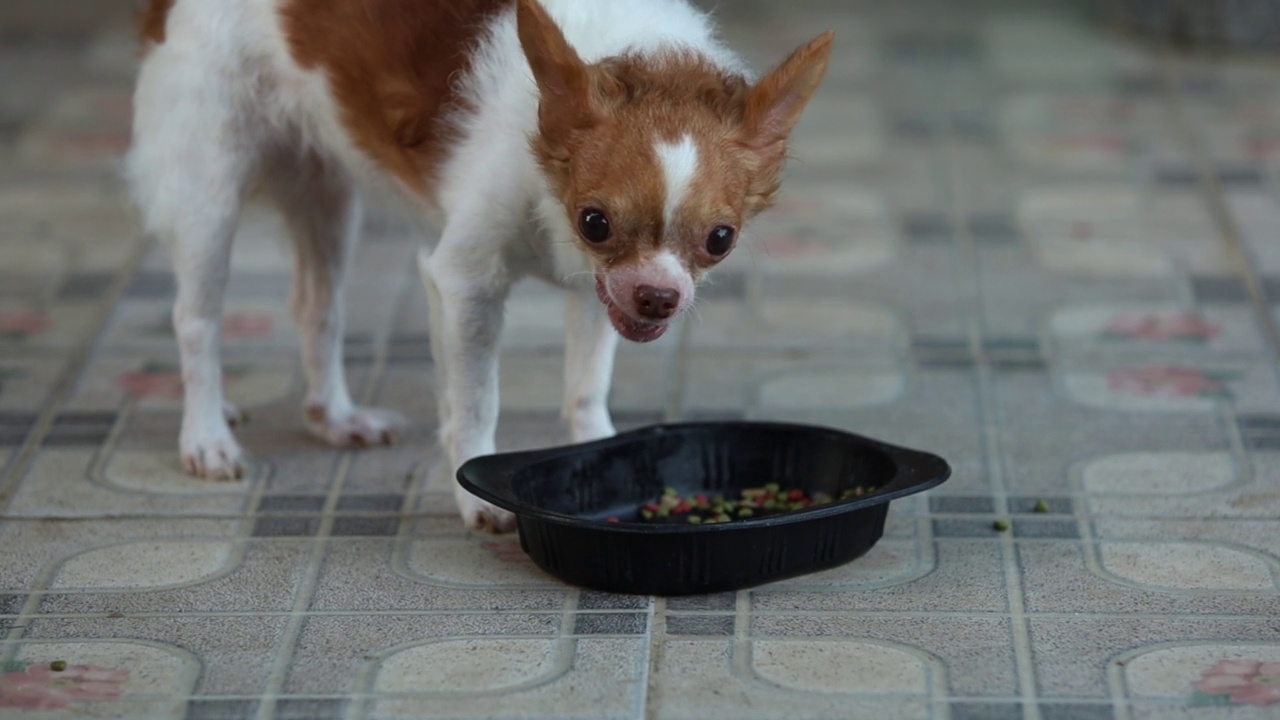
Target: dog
{"type": "Point", "coordinates": [614, 148]}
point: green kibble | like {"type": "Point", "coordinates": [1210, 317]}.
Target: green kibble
{"type": "Point", "coordinates": [670, 492]}
{"type": "Point", "coordinates": [771, 487]}
{"type": "Point", "coordinates": [664, 512]}
{"type": "Point", "coordinates": [694, 519]}
{"type": "Point", "coordinates": [58, 665]}
{"type": "Point", "coordinates": [1000, 525]}
{"type": "Point", "coordinates": [646, 514]}
{"type": "Point", "coordinates": [745, 512]}
{"type": "Point", "coordinates": [1041, 507]}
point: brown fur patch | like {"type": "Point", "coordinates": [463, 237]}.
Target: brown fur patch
{"type": "Point", "coordinates": [152, 19]}
{"type": "Point", "coordinates": [599, 124]}
{"type": "Point", "coordinates": [391, 65]}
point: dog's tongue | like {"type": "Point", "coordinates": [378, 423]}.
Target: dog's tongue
{"type": "Point", "coordinates": [633, 330]}
{"type": "Point", "coordinates": [628, 327]}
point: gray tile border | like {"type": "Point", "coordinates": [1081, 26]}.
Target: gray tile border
{"type": "Point", "coordinates": [595, 600]}
{"type": "Point", "coordinates": [993, 228]}
{"type": "Point", "coordinates": [11, 604]}
{"type": "Point", "coordinates": [215, 709]}
{"type": "Point", "coordinates": [610, 624]}
{"type": "Point", "coordinates": [700, 624]}
{"type": "Point", "coordinates": [961, 504]}
{"type": "Point", "coordinates": [964, 527]}
{"type": "Point", "coordinates": [715, 601]}
{"type": "Point", "coordinates": [1029, 528]}
{"type": "Point", "coordinates": [309, 709]}
{"type": "Point", "coordinates": [291, 503]}
{"type": "Point", "coordinates": [285, 526]}
{"type": "Point", "coordinates": [927, 228]}
{"type": "Point", "coordinates": [1056, 505]}
{"type": "Point", "coordinates": [1077, 711]}
{"type": "Point", "coordinates": [151, 285]}
{"type": "Point", "coordinates": [1219, 289]}
{"type": "Point", "coordinates": [85, 286]}
{"type": "Point", "coordinates": [364, 526]}
{"type": "Point", "coordinates": [985, 711]}
{"type": "Point", "coordinates": [386, 502]}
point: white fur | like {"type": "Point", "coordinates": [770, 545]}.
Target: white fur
{"type": "Point", "coordinates": [679, 163]}
{"type": "Point", "coordinates": [221, 109]}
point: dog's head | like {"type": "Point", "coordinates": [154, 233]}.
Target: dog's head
{"type": "Point", "coordinates": [659, 160]}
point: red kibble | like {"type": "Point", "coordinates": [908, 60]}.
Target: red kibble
{"type": "Point", "coordinates": [613, 519]}
{"type": "Point", "coordinates": [796, 494]}
{"type": "Point", "coordinates": [701, 499]}
{"type": "Point", "coordinates": [682, 507]}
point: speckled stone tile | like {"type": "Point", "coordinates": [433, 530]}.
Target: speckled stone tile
{"type": "Point", "coordinates": [997, 241]}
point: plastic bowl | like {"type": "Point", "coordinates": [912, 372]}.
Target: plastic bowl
{"type": "Point", "coordinates": [562, 498]}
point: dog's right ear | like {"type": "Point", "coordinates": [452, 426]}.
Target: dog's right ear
{"type": "Point", "coordinates": [564, 81]}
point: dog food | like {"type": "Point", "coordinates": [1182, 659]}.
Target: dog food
{"type": "Point", "coordinates": [58, 665]}
{"type": "Point", "coordinates": [704, 509]}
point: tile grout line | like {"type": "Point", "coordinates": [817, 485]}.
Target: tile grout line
{"type": "Point", "coordinates": [967, 256]}
{"type": "Point", "coordinates": [319, 548]}
{"type": "Point", "coordinates": [1213, 194]}
{"type": "Point", "coordinates": [80, 356]}
{"type": "Point", "coordinates": [649, 678]}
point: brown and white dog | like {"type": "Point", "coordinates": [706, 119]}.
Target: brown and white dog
{"type": "Point", "coordinates": [614, 148]}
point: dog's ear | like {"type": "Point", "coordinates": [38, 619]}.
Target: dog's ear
{"type": "Point", "coordinates": [564, 81]}
{"type": "Point", "coordinates": [773, 106]}
{"type": "Point", "coordinates": [775, 102]}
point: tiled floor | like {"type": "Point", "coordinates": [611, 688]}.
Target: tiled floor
{"type": "Point", "coordinates": [1008, 238]}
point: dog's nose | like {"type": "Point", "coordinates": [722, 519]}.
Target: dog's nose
{"type": "Point", "coordinates": [656, 303]}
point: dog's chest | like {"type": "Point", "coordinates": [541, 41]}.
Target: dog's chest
{"type": "Point", "coordinates": [541, 254]}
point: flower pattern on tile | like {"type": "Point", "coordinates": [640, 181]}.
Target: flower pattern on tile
{"type": "Point", "coordinates": [1157, 327]}
{"type": "Point", "coordinates": [237, 325]}
{"type": "Point", "coordinates": [164, 380]}
{"type": "Point", "coordinates": [1171, 381]}
{"type": "Point", "coordinates": [39, 687]}
{"type": "Point", "coordinates": [1238, 682]}
{"type": "Point", "coordinates": [18, 325]}
{"type": "Point", "coordinates": [241, 325]}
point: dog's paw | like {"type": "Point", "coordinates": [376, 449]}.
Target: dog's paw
{"type": "Point", "coordinates": [212, 454]}
{"type": "Point", "coordinates": [480, 515]}
{"type": "Point", "coordinates": [358, 427]}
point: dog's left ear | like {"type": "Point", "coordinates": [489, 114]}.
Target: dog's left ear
{"type": "Point", "coordinates": [773, 107]}
{"type": "Point", "coordinates": [564, 82]}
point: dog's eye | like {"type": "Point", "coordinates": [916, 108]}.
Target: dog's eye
{"type": "Point", "coordinates": [720, 241]}
{"type": "Point", "coordinates": [594, 226]}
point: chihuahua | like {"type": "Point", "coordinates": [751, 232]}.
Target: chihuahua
{"type": "Point", "coordinates": [614, 148]}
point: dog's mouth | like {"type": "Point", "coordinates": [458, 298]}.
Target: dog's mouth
{"type": "Point", "coordinates": [628, 327]}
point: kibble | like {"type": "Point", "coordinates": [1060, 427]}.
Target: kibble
{"type": "Point", "coordinates": [58, 665]}
{"type": "Point", "coordinates": [702, 508]}
{"type": "Point", "coordinates": [1041, 507]}
{"type": "Point", "coordinates": [1000, 525]}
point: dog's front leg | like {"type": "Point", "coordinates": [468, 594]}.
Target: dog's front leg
{"type": "Point", "coordinates": [466, 291]}
{"type": "Point", "coordinates": [590, 346]}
